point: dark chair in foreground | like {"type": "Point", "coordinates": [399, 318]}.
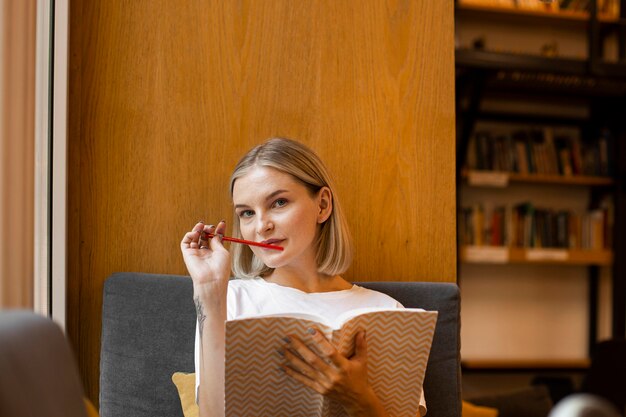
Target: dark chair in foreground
{"type": "Point", "coordinates": [38, 374]}
{"type": "Point", "coordinates": [148, 327]}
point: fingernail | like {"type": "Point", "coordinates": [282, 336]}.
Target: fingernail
{"type": "Point", "coordinates": [201, 221]}
{"type": "Point", "coordinates": [310, 330]}
{"type": "Point", "coordinates": [221, 236]}
{"type": "Point", "coordinates": [222, 221]}
{"type": "Point", "coordinates": [287, 339]}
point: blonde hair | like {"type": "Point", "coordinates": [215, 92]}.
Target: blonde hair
{"type": "Point", "coordinates": [334, 244]}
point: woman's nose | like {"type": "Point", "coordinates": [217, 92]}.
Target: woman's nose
{"type": "Point", "coordinates": [264, 225]}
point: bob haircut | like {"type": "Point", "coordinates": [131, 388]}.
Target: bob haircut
{"type": "Point", "coordinates": [334, 244]}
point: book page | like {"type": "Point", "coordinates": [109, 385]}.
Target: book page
{"type": "Point", "coordinates": [254, 383]}
{"type": "Point", "coordinates": [398, 346]}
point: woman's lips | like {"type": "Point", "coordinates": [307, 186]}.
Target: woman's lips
{"type": "Point", "coordinates": [272, 241]}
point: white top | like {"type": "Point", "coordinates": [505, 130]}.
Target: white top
{"type": "Point", "coordinates": [251, 297]}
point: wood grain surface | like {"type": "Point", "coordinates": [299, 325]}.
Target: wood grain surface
{"type": "Point", "coordinates": [17, 152]}
{"type": "Point", "coordinates": [166, 96]}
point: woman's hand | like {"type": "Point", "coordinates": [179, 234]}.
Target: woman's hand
{"type": "Point", "coordinates": [331, 374]}
{"type": "Point", "coordinates": [207, 260]}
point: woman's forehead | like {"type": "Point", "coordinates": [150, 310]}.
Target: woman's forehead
{"type": "Point", "coordinates": [261, 180]}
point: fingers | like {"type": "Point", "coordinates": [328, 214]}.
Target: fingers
{"type": "Point", "coordinates": [326, 349]}
{"type": "Point", "coordinates": [216, 242]}
{"type": "Point", "coordinates": [327, 359]}
{"type": "Point", "coordinates": [190, 240]}
{"type": "Point", "coordinates": [296, 363]}
{"type": "Point", "coordinates": [304, 365]}
{"type": "Point", "coordinates": [203, 240]}
{"type": "Point", "coordinates": [360, 349]}
{"type": "Point", "coordinates": [198, 238]}
{"type": "Point", "coordinates": [304, 379]}
{"type": "Point", "coordinates": [303, 359]}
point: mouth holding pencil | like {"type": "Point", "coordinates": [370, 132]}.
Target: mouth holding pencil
{"type": "Point", "coordinates": [267, 244]}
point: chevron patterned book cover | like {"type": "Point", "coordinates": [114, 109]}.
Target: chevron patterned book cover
{"type": "Point", "coordinates": [398, 345]}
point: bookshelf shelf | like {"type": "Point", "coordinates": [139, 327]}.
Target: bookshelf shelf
{"type": "Point", "coordinates": [496, 178]}
{"type": "Point", "coordinates": [521, 72]}
{"type": "Point", "coordinates": [544, 256]}
{"type": "Point", "coordinates": [492, 60]}
{"type": "Point", "coordinates": [564, 16]}
{"type": "Point", "coordinates": [525, 365]}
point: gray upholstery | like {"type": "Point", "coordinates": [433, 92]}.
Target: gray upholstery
{"type": "Point", "coordinates": [148, 326]}
{"type": "Point", "coordinates": [38, 375]}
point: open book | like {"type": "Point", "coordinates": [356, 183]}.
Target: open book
{"type": "Point", "coordinates": [398, 345]}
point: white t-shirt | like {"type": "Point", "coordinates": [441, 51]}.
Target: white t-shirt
{"type": "Point", "coordinates": [251, 297]}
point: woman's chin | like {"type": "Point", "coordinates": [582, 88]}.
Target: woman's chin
{"type": "Point", "coordinates": [271, 261]}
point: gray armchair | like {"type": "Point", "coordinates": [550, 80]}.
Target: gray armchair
{"type": "Point", "coordinates": [148, 328]}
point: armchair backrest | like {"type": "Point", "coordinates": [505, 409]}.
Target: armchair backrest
{"type": "Point", "coordinates": [148, 328]}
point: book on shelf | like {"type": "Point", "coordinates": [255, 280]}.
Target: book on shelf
{"type": "Point", "coordinates": [525, 225]}
{"type": "Point", "coordinates": [398, 346]}
{"type": "Point", "coordinates": [544, 151]}
{"type": "Point", "coordinates": [608, 8]}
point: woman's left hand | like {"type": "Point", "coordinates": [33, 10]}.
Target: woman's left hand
{"type": "Point", "coordinates": [333, 375]}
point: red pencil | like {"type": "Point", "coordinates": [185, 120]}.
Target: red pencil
{"type": "Point", "coordinates": [245, 242]}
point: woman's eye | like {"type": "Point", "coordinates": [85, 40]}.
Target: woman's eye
{"type": "Point", "coordinates": [246, 213]}
{"type": "Point", "coordinates": [280, 202]}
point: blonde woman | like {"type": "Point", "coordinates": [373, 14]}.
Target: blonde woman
{"type": "Point", "coordinates": [282, 195]}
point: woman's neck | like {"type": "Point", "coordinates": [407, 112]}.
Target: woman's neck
{"type": "Point", "coordinates": [307, 281]}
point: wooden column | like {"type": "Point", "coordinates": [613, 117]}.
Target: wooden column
{"type": "Point", "coordinates": [17, 152]}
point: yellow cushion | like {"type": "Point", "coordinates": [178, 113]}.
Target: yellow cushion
{"type": "Point", "coordinates": [186, 386]}
{"type": "Point", "coordinates": [91, 410]}
{"type": "Point", "coordinates": [471, 410]}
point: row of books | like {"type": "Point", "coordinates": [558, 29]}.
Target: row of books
{"type": "Point", "coordinates": [539, 151]}
{"type": "Point", "coordinates": [604, 7]}
{"type": "Point", "coordinates": [525, 225]}
{"type": "Point", "coordinates": [609, 8]}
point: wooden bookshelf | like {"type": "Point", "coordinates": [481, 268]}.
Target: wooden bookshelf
{"type": "Point", "coordinates": [597, 81]}
{"type": "Point", "coordinates": [525, 364]}
{"type": "Point", "coordinates": [502, 179]}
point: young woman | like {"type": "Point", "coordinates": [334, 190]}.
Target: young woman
{"type": "Point", "coordinates": [282, 195]}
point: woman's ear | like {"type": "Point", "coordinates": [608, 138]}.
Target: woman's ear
{"type": "Point", "coordinates": [325, 204]}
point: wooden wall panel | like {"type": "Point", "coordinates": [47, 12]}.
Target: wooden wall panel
{"type": "Point", "coordinates": [166, 96]}
{"type": "Point", "coordinates": [17, 152]}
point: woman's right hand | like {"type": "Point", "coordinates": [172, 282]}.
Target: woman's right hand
{"type": "Point", "coordinates": [208, 262]}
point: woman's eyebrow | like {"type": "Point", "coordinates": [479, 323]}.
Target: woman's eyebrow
{"type": "Point", "coordinates": [274, 194]}
{"type": "Point", "coordinates": [269, 197]}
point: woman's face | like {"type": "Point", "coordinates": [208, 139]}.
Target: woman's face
{"type": "Point", "coordinates": [274, 208]}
